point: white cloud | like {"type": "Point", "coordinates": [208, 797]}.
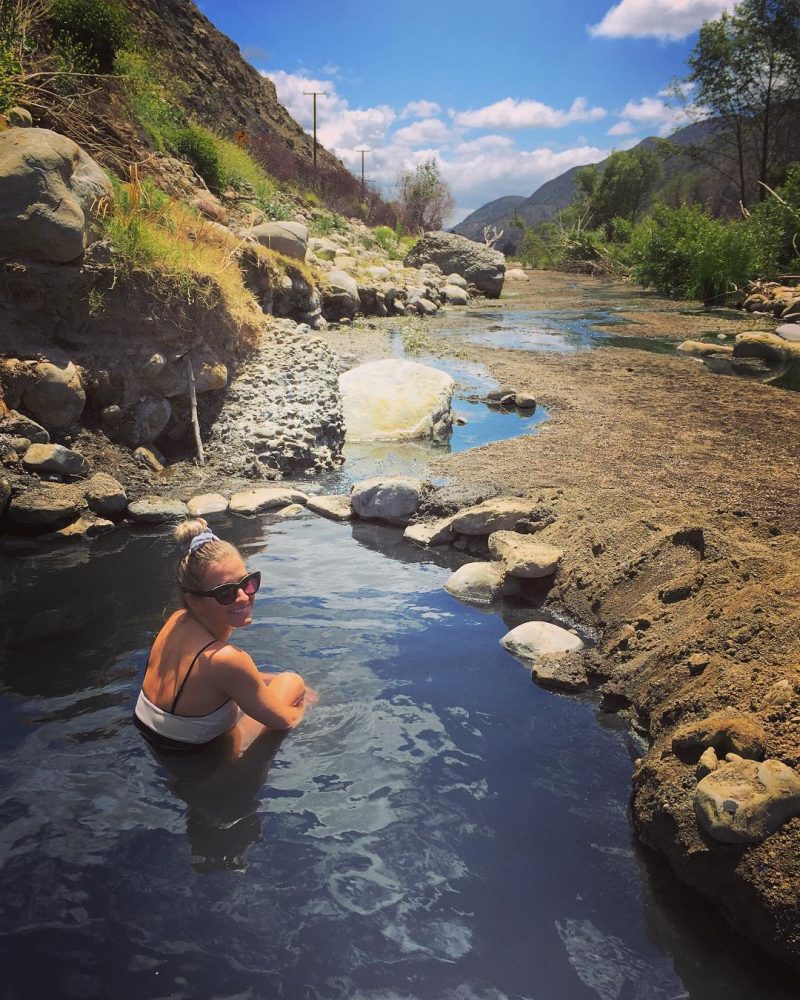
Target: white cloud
{"type": "Point", "coordinates": [423, 133]}
{"type": "Point", "coordinates": [670, 20]}
{"type": "Point", "coordinates": [621, 128]}
{"type": "Point", "coordinates": [651, 111]}
{"type": "Point", "coordinates": [420, 109]}
{"type": "Point", "coordinates": [511, 114]}
{"type": "Point", "coordinates": [485, 142]}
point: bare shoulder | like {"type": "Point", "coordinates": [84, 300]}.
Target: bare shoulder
{"type": "Point", "coordinates": [228, 658]}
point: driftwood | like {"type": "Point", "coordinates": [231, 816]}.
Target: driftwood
{"type": "Point", "coordinates": [193, 407]}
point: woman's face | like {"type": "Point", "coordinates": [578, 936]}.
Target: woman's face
{"type": "Point", "coordinates": [228, 569]}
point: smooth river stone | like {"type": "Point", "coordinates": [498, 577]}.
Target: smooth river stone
{"type": "Point", "coordinates": [45, 507]}
{"type": "Point", "coordinates": [531, 640]}
{"type": "Point", "coordinates": [55, 458]}
{"type": "Point", "coordinates": [394, 499]}
{"type": "Point", "coordinates": [430, 532]}
{"type": "Point", "coordinates": [480, 583]}
{"type": "Point", "coordinates": [744, 801]}
{"type": "Point", "coordinates": [497, 514]}
{"type": "Point", "coordinates": [207, 505]}
{"type": "Point", "coordinates": [260, 500]}
{"type": "Point", "coordinates": [395, 400]}
{"type": "Point", "coordinates": [701, 349]}
{"type": "Point", "coordinates": [790, 332]}
{"type": "Point", "coordinates": [334, 505]}
{"type": "Point", "coordinates": [157, 510]}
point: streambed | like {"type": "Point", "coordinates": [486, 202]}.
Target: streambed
{"type": "Point", "coordinates": [438, 826]}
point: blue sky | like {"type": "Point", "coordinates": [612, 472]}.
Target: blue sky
{"type": "Point", "coordinates": [505, 95]}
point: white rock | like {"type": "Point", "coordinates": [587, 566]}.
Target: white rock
{"type": "Point", "coordinates": [257, 501]}
{"type": "Point", "coordinates": [395, 400]}
{"type": "Point", "coordinates": [457, 280]}
{"type": "Point", "coordinates": [516, 274]}
{"type": "Point", "coordinates": [743, 801]}
{"type": "Point", "coordinates": [534, 639]}
{"type": "Point", "coordinates": [207, 505]}
{"type": "Point", "coordinates": [523, 556]}
{"type": "Point", "coordinates": [291, 511]}
{"type": "Point", "coordinates": [431, 532]}
{"type": "Point", "coordinates": [394, 500]}
{"type": "Point", "coordinates": [455, 296]}
{"type": "Point", "coordinates": [480, 583]}
{"type": "Point", "coordinates": [497, 514]}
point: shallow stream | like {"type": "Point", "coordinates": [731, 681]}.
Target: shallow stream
{"type": "Point", "coordinates": [438, 827]}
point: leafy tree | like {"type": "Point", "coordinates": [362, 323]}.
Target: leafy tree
{"type": "Point", "coordinates": [746, 68]}
{"type": "Point", "coordinates": [424, 198]}
{"type": "Point", "coordinates": [622, 186]}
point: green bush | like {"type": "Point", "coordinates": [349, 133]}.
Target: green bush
{"type": "Point", "coordinates": [147, 98]}
{"type": "Point", "coordinates": [685, 252]}
{"type": "Point", "coordinates": [9, 73]}
{"type": "Point", "coordinates": [198, 146]}
{"type": "Point", "coordinates": [98, 27]}
{"type": "Point", "coordinates": [777, 222]}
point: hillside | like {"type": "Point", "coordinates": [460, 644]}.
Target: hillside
{"type": "Point", "coordinates": [555, 195]}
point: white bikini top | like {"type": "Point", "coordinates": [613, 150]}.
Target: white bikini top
{"type": "Point", "coordinates": [187, 728]}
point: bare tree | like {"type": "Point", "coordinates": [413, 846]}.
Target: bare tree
{"type": "Point", "coordinates": [424, 198]}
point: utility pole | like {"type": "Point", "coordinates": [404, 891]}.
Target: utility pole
{"type": "Point", "coordinates": [362, 151]}
{"type": "Point", "coordinates": [314, 94]}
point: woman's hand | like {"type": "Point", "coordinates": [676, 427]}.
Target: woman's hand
{"type": "Point", "coordinates": [310, 696]}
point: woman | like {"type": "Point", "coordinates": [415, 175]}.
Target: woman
{"type": "Point", "coordinates": [197, 684]}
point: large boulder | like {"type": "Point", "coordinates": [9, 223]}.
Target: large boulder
{"type": "Point", "coordinates": [340, 298]}
{"type": "Point", "coordinates": [480, 583]}
{"type": "Point", "coordinates": [55, 396]}
{"type": "Point", "coordinates": [482, 266]}
{"type": "Point", "coordinates": [46, 506]}
{"type": "Point", "coordinates": [105, 496]}
{"type": "Point", "coordinates": [763, 345]}
{"type": "Point", "coordinates": [396, 400]}
{"type": "Point", "coordinates": [49, 191]}
{"type": "Point", "coordinates": [523, 556]}
{"type": "Point", "coordinates": [744, 801]}
{"type": "Point", "coordinates": [44, 458]}
{"type": "Point", "coordinates": [497, 514]}
{"type": "Point", "coordinates": [394, 500]}
{"type": "Point", "coordinates": [288, 238]}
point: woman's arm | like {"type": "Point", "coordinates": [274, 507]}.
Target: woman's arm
{"type": "Point", "coordinates": [279, 703]}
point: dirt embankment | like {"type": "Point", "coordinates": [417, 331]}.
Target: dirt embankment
{"type": "Point", "coordinates": [678, 507]}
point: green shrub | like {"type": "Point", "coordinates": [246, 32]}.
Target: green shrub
{"type": "Point", "coordinates": [777, 222]}
{"type": "Point", "coordinates": [197, 145]}
{"type": "Point", "coordinates": [98, 27]}
{"type": "Point", "coordinates": [324, 225]}
{"type": "Point", "coordinates": [685, 252]}
{"type": "Point", "coordinates": [147, 98]}
{"type": "Point", "coordinates": [9, 73]}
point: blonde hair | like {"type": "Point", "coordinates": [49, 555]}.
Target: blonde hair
{"type": "Point", "coordinates": [192, 567]}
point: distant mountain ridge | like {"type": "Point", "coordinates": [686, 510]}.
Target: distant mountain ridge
{"type": "Point", "coordinates": [555, 195]}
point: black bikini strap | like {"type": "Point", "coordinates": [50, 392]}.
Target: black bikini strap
{"type": "Point", "coordinates": [186, 678]}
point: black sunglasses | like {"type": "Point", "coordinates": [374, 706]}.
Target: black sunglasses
{"type": "Point", "coordinates": [227, 593]}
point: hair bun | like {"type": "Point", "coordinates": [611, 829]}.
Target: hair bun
{"type": "Point", "coordinates": [187, 530]}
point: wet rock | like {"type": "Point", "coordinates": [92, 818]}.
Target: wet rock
{"type": "Point", "coordinates": [394, 500]}
{"type": "Point", "coordinates": [18, 425]}
{"type": "Point", "coordinates": [480, 583]}
{"type": "Point", "coordinates": [450, 499]}
{"type": "Point", "coordinates": [335, 506]}
{"type": "Point", "coordinates": [85, 527]}
{"type": "Point", "coordinates": [478, 264]}
{"type": "Point", "coordinates": [147, 458]}
{"type": "Point", "coordinates": [726, 732]}
{"type": "Point", "coordinates": [531, 640]}
{"type": "Point", "coordinates": [498, 514]}
{"type": "Point", "coordinates": [524, 557]}
{"type": "Point", "coordinates": [524, 401]}
{"type": "Point", "coordinates": [47, 506]}
{"type": "Point", "coordinates": [105, 496]}
{"type": "Point", "coordinates": [157, 510]}
{"type": "Point", "coordinates": [54, 397]}
{"type": "Point", "coordinates": [50, 190]}
{"type": "Point", "coordinates": [428, 533]}
{"type": "Point", "coordinates": [207, 505]}
{"type": "Point", "coordinates": [287, 238]}
{"type": "Point", "coordinates": [744, 801]}
{"type": "Point", "coordinates": [396, 400]}
{"type": "Point", "coordinates": [55, 458]}
{"type": "Point", "coordinates": [53, 622]}
{"type": "Point", "coordinates": [269, 498]}
{"type": "Point", "coordinates": [561, 671]}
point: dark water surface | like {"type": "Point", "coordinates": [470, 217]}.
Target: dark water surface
{"type": "Point", "coordinates": [438, 827]}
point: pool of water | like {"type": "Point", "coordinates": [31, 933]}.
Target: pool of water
{"type": "Point", "coordinates": [438, 827]}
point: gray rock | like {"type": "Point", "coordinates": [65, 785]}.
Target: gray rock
{"type": "Point", "coordinates": [480, 583]}
{"type": "Point", "coordinates": [258, 501]}
{"type": "Point", "coordinates": [105, 496]}
{"type": "Point", "coordinates": [789, 331]}
{"type": "Point", "coordinates": [19, 117]}
{"type": "Point", "coordinates": [18, 425]}
{"type": "Point", "coordinates": [53, 622]}
{"type": "Point", "coordinates": [55, 458]}
{"type": "Point", "coordinates": [340, 299]}
{"type": "Point", "coordinates": [144, 421]}
{"type": "Point", "coordinates": [335, 506]}
{"type": "Point", "coordinates": [49, 191]}
{"type": "Point", "coordinates": [288, 238]}
{"type": "Point", "coordinates": [531, 640]}
{"type": "Point", "coordinates": [478, 264]}
{"type": "Point", "coordinates": [207, 505]}
{"type": "Point", "coordinates": [457, 280]}
{"type": "Point", "coordinates": [524, 401]}
{"type": "Point", "coordinates": [394, 500]}
{"type": "Point", "coordinates": [453, 497]}
{"type": "Point", "coordinates": [157, 510]}
{"type": "Point", "coordinates": [55, 395]}
{"type": "Point", "coordinates": [498, 514]}
{"type": "Point", "coordinates": [744, 801]}
{"type": "Point", "coordinates": [455, 295]}
{"type": "Point", "coordinates": [423, 306]}
{"type": "Point", "coordinates": [48, 506]}
{"type": "Point", "coordinates": [524, 557]}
